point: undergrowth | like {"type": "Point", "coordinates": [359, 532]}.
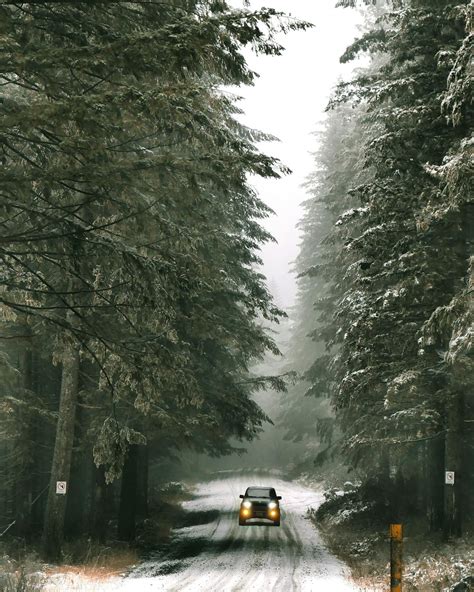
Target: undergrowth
{"type": "Point", "coordinates": [86, 560]}
{"type": "Point", "coordinates": [355, 527]}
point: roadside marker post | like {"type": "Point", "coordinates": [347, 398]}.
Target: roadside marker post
{"type": "Point", "coordinates": [396, 559]}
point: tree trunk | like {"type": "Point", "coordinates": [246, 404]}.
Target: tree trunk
{"type": "Point", "coordinates": [82, 481]}
{"type": "Point", "coordinates": [53, 531]}
{"type": "Point", "coordinates": [47, 386]}
{"type": "Point", "coordinates": [100, 506]}
{"type": "Point", "coordinates": [452, 526]}
{"type": "Point", "coordinates": [128, 496]}
{"type": "Point", "coordinates": [142, 489]}
{"type": "Point", "coordinates": [78, 497]}
{"type": "Point", "coordinates": [434, 483]}
{"type": "Point", "coordinates": [24, 484]}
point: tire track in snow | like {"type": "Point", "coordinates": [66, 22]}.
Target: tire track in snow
{"type": "Point", "coordinates": [289, 558]}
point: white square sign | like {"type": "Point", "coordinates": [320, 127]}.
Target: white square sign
{"type": "Point", "coordinates": [61, 487]}
{"type": "Point", "coordinates": [449, 478]}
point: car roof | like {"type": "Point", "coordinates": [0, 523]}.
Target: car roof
{"type": "Point", "coordinates": [262, 488]}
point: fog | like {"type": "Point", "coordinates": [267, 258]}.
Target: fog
{"type": "Point", "coordinates": [155, 400]}
{"type": "Point", "coordinates": [288, 101]}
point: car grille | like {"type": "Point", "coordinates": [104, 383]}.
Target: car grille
{"type": "Point", "coordinates": [260, 509]}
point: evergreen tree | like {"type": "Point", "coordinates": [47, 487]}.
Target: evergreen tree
{"type": "Point", "coordinates": [313, 350]}
{"type": "Point", "coordinates": [400, 288]}
{"type": "Point", "coordinates": [131, 233]}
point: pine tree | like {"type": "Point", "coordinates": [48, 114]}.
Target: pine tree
{"type": "Point", "coordinates": [392, 400]}
{"type": "Point", "coordinates": [130, 230]}
{"type": "Point", "coordinates": [314, 351]}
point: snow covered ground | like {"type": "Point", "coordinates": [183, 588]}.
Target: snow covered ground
{"type": "Point", "coordinates": [221, 556]}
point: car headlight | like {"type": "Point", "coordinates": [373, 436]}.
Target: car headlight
{"type": "Point", "coordinates": [272, 506]}
{"type": "Point", "coordinates": [246, 504]}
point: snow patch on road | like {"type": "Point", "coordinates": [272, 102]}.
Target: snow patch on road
{"type": "Point", "coordinates": [222, 556]}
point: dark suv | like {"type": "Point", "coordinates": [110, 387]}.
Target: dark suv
{"type": "Point", "coordinates": [260, 503]}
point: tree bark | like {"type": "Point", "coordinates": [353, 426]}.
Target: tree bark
{"type": "Point", "coordinates": [53, 531]}
{"type": "Point", "coordinates": [43, 385]}
{"type": "Point", "coordinates": [128, 496]}
{"type": "Point", "coordinates": [100, 506]}
{"type": "Point", "coordinates": [142, 489]}
{"type": "Point", "coordinates": [434, 483]}
{"type": "Point", "coordinates": [24, 484]}
{"type": "Point", "coordinates": [79, 494]}
{"type": "Point", "coordinates": [452, 525]}
{"type": "Point", "coordinates": [82, 481]}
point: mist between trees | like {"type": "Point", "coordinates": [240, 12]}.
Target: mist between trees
{"type": "Point", "coordinates": [132, 304]}
{"type": "Point", "coordinates": [383, 329]}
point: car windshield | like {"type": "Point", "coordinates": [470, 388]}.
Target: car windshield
{"type": "Point", "coordinates": [259, 492]}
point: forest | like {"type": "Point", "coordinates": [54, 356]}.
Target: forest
{"type": "Point", "coordinates": [385, 267]}
{"type": "Point", "coordinates": [135, 318]}
{"type": "Point", "coordinates": [130, 295]}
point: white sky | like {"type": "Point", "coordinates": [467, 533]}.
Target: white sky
{"type": "Point", "coordinates": [288, 101]}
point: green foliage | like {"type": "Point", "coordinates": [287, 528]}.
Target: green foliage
{"type": "Point", "coordinates": [125, 204]}
{"type": "Point", "coordinates": [403, 278]}
{"type": "Point", "coordinates": [386, 283]}
{"type": "Point", "coordinates": [312, 348]}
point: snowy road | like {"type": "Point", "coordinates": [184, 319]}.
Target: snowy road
{"type": "Point", "coordinates": [221, 556]}
{"type": "Point", "coordinates": [218, 555]}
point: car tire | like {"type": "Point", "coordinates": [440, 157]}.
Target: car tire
{"type": "Point", "coordinates": [242, 523]}
{"type": "Point", "coordinates": [276, 523]}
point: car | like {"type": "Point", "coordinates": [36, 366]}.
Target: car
{"type": "Point", "coordinates": [259, 504]}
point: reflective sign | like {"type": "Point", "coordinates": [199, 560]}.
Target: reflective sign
{"type": "Point", "coordinates": [449, 478]}
{"type": "Point", "coordinates": [61, 487]}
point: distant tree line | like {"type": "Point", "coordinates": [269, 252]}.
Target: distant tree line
{"type": "Point", "coordinates": [130, 297]}
{"type": "Point", "coordinates": [384, 317]}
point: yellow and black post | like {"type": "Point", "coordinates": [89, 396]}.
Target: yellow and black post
{"type": "Point", "coordinates": [396, 559]}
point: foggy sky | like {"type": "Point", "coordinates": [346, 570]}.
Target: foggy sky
{"type": "Point", "coordinates": [288, 101]}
